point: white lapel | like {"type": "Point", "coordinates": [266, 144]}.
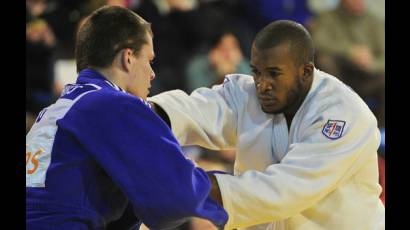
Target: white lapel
{"type": "Point", "coordinates": [280, 137]}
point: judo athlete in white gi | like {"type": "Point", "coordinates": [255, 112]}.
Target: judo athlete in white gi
{"type": "Point", "coordinates": [306, 143]}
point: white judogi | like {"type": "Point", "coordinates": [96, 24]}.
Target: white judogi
{"type": "Point", "coordinates": [310, 178]}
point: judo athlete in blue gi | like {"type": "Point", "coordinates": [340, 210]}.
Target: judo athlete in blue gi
{"type": "Point", "coordinates": [100, 147]}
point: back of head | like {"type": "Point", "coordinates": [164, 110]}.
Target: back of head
{"type": "Point", "coordinates": [290, 32]}
{"type": "Point", "coordinates": [107, 31]}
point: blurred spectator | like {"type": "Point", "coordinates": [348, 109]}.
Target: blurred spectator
{"type": "Point", "coordinates": [174, 23]}
{"type": "Point", "coordinates": [64, 19]}
{"type": "Point", "coordinates": [225, 57]}
{"type": "Point", "coordinates": [377, 8]}
{"type": "Point", "coordinates": [50, 30]}
{"type": "Point", "coordinates": [122, 3]}
{"type": "Point", "coordinates": [262, 12]}
{"type": "Point", "coordinates": [40, 44]}
{"type": "Point", "coordinates": [320, 6]}
{"type": "Point", "coordinates": [350, 43]}
{"type": "Point", "coordinates": [181, 28]}
{"type": "Point", "coordinates": [223, 15]}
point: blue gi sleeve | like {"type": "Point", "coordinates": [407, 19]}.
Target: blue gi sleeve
{"type": "Point", "coordinates": [141, 155]}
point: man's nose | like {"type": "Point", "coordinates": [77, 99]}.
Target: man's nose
{"type": "Point", "coordinates": [264, 85]}
{"type": "Point", "coordinates": [152, 75]}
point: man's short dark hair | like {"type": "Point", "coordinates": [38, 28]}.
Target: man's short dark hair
{"type": "Point", "coordinates": [107, 31]}
{"type": "Point", "coordinates": [286, 31]}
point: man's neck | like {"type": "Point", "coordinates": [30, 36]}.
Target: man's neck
{"type": "Point", "coordinates": [290, 113]}
{"type": "Point", "coordinates": [112, 75]}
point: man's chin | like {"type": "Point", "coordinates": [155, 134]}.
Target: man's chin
{"type": "Point", "coordinates": [271, 109]}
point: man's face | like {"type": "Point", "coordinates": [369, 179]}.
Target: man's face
{"type": "Point", "coordinates": [354, 7]}
{"type": "Point", "coordinates": [141, 72]}
{"type": "Point", "coordinates": [277, 78]}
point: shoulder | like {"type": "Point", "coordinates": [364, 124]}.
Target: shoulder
{"type": "Point", "coordinates": [109, 101]}
{"type": "Point", "coordinates": [239, 81]}
{"type": "Point", "coordinates": [113, 111]}
{"type": "Point", "coordinates": [76, 91]}
{"type": "Point", "coordinates": [332, 99]}
{"type": "Point", "coordinates": [242, 78]}
{"type": "Point", "coordinates": [333, 110]}
{"type": "Point", "coordinates": [237, 87]}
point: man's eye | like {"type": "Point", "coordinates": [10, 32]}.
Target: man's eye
{"type": "Point", "coordinates": [273, 74]}
{"type": "Point", "coordinates": [255, 72]}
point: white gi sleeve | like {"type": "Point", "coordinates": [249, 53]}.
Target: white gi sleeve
{"type": "Point", "coordinates": [206, 117]}
{"type": "Point", "coordinates": [313, 167]}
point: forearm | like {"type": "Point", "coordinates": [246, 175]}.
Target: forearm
{"type": "Point", "coordinates": [202, 118]}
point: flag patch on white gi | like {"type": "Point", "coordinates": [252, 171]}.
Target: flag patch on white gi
{"type": "Point", "coordinates": [333, 129]}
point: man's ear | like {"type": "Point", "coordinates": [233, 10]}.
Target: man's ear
{"type": "Point", "coordinates": [125, 56]}
{"type": "Point", "coordinates": [307, 70]}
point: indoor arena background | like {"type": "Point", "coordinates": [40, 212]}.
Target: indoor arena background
{"type": "Point", "coordinates": [197, 42]}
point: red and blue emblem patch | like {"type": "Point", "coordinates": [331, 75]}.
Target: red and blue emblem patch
{"type": "Point", "coordinates": [333, 129]}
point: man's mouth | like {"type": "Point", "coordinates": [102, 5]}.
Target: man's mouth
{"type": "Point", "coordinates": [267, 101]}
{"type": "Point", "coordinates": [265, 98]}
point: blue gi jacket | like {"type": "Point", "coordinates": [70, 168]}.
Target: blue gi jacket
{"type": "Point", "coordinates": [98, 148]}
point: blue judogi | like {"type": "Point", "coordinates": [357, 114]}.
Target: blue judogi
{"type": "Point", "coordinates": [97, 149]}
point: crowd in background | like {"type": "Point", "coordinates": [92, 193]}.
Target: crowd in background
{"type": "Point", "coordinates": [197, 42]}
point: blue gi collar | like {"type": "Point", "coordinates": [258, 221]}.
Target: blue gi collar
{"type": "Point", "coordinates": [92, 76]}
{"type": "Point", "coordinates": [95, 77]}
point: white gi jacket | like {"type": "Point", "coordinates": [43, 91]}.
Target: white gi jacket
{"type": "Point", "coordinates": [322, 174]}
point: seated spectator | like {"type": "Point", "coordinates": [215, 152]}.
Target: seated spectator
{"type": "Point", "coordinates": [175, 25]}
{"type": "Point", "coordinates": [40, 43]}
{"type": "Point", "coordinates": [359, 53]}
{"type": "Point", "coordinates": [225, 57]}
{"type": "Point", "coordinates": [262, 12]}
